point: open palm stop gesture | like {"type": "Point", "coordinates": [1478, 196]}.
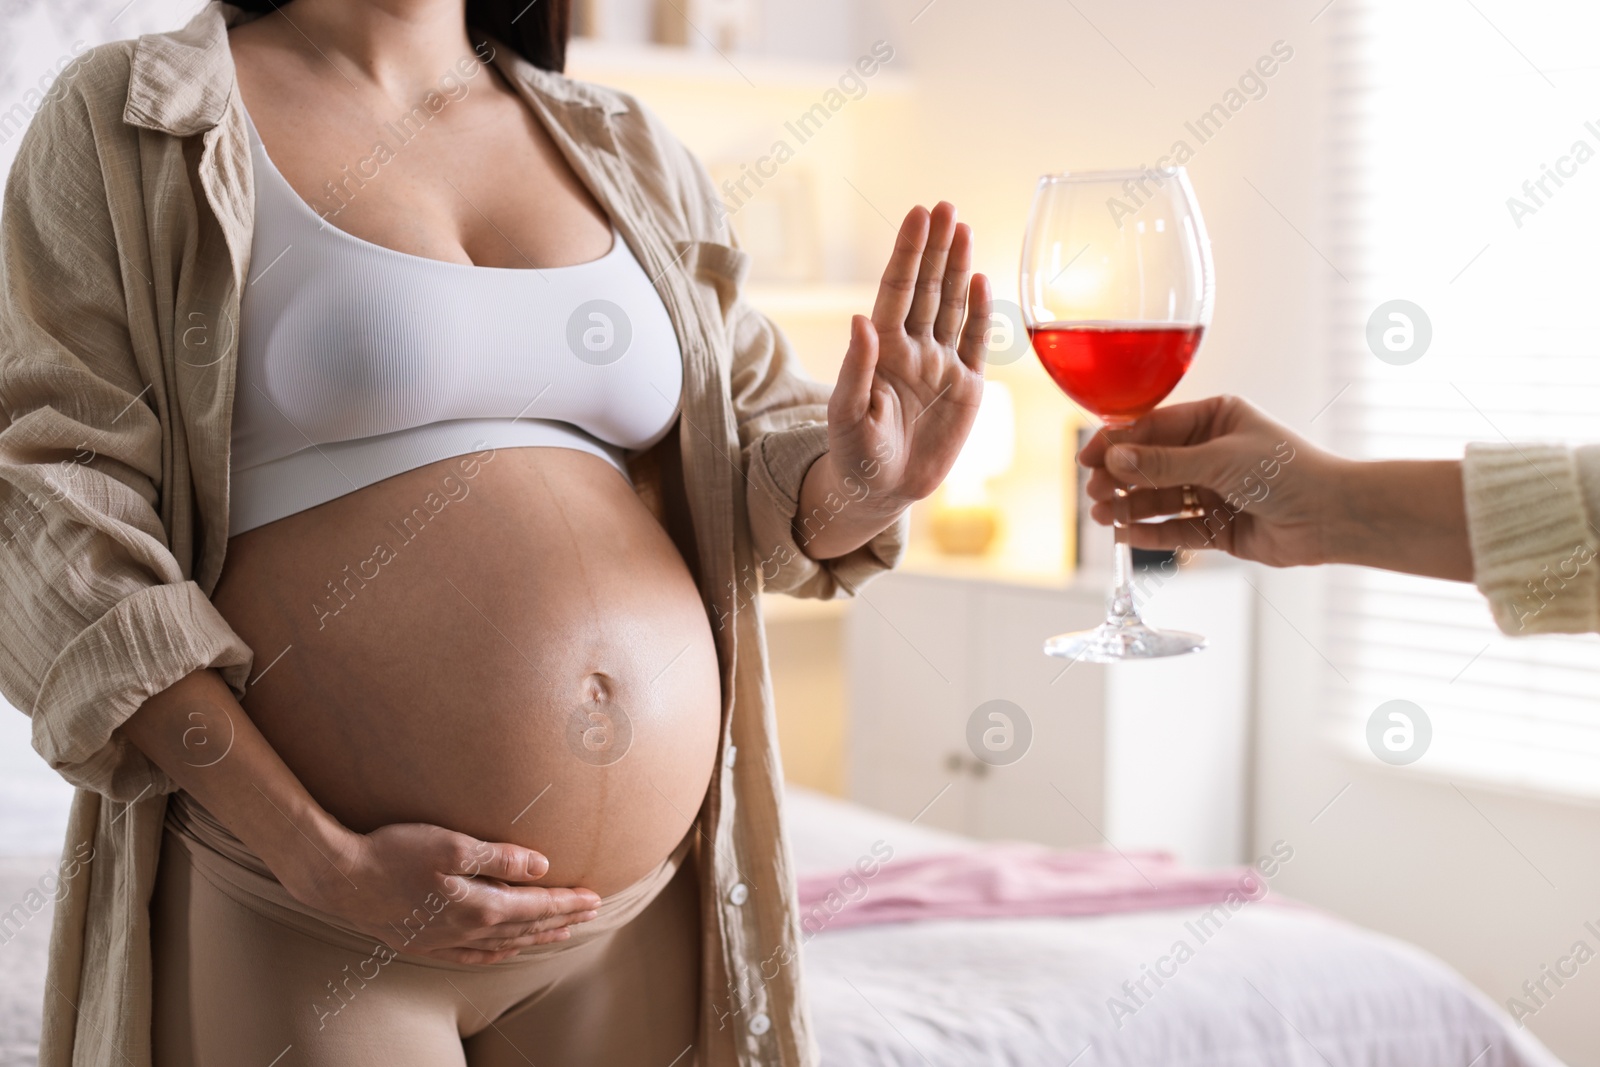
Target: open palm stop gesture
{"type": "Point", "coordinates": [909, 388]}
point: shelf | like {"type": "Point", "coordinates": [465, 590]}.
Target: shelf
{"type": "Point", "coordinates": [922, 558]}
{"type": "Point", "coordinates": [778, 608]}
{"type": "Point", "coordinates": [814, 300]}
{"type": "Point", "coordinates": [926, 560]}
{"type": "Point", "coordinates": [614, 62]}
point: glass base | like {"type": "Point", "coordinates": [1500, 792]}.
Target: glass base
{"type": "Point", "coordinates": [1110, 643]}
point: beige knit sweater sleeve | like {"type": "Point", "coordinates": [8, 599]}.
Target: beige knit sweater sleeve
{"type": "Point", "coordinates": [1533, 516]}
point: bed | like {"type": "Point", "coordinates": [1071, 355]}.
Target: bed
{"type": "Point", "coordinates": [1276, 986]}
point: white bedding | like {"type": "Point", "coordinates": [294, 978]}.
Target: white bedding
{"type": "Point", "coordinates": [1273, 987]}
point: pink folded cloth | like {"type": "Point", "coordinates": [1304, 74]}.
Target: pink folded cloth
{"type": "Point", "coordinates": [1011, 879]}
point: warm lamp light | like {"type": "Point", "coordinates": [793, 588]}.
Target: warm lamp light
{"type": "Point", "coordinates": [965, 520]}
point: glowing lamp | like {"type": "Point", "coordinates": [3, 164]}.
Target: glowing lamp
{"type": "Point", "coordinates": [965, 520]}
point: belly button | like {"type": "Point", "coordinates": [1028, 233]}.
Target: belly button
{"type": "Point", "coordinates": [596, 688]}
{"type": "Point", "coordinates": [598, 731]}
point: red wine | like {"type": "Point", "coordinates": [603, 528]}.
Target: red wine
{"type": "Point", "coordinates": [1117, 370]}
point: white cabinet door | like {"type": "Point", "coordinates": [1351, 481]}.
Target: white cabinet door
{"type": "Point", "coordinates": [1148, 754]}
{"type": "Point", "coordinates": [1177, 730]}
{"type": "Point", "coordinates": [909, 653]}
{"type": "Point", "coordinates": [1054, 792]}
{"type": "Point", "coordinates": [927, 655]}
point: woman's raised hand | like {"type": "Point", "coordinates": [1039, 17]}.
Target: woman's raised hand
{"type": "Point", "coordinates": [912, 377]}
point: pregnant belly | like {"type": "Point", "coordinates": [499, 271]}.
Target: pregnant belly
{"type": "Point", "coordinates": [505, 644]}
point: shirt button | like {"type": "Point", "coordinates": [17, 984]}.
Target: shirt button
{"type": "Point", "coordinates": [760, 1024]}
{"type": "Point", "coordinates": [737, 896]}
{"type": "Point", "coordinates": [730, 755]}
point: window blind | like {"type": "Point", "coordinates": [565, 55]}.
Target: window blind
{"type": "Point", "coordinates": [1463, 176]}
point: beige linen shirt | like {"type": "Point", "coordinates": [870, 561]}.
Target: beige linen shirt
{"type": "Point", "coordinates": [124, 242]}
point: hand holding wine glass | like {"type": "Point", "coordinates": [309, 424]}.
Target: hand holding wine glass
{"type": "Point", "coordinates": [1116, 304]}
{"type": "Point", "coordinates": [1268, 494]}
{"type": "Point", "coordinates": [1271, 496]}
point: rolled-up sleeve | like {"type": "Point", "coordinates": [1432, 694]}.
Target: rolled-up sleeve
{"type": "Point", "coordinates": [1531, 521]}
{"type": "Point", "coordinates": [98, 612]}
{"type": "Point", "coordinates": [777, 462]}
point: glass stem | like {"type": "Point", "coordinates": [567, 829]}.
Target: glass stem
{"type": "Point", "coordinates": [1120, 609]}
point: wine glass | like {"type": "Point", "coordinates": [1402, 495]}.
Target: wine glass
{"type": "Point", "coordinates": [1116, 293]}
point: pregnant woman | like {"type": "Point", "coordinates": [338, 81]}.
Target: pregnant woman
{"type": "Point", "coordinates": [388, 466]}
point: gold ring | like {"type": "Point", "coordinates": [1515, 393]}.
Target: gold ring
{"type": "Point", "coordinates": [1191, 504]}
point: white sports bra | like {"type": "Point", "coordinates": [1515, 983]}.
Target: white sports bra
{"type": "Point", "coordinates": [358, 362]}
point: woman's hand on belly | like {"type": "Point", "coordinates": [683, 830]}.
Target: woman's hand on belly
{"type": "Point", "coordinates": [417, 887]}
{"type": "Point", "coordinates": [428, 891]}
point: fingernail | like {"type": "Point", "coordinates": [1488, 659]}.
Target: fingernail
{"type": "Point", "coordinates": [587, 916]}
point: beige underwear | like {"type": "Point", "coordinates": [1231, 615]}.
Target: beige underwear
{"type": "Point", "coordinates": [246, 974]}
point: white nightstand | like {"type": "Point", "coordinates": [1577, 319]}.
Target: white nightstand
{"type": "Point", "coordinates": [1149, 754]}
